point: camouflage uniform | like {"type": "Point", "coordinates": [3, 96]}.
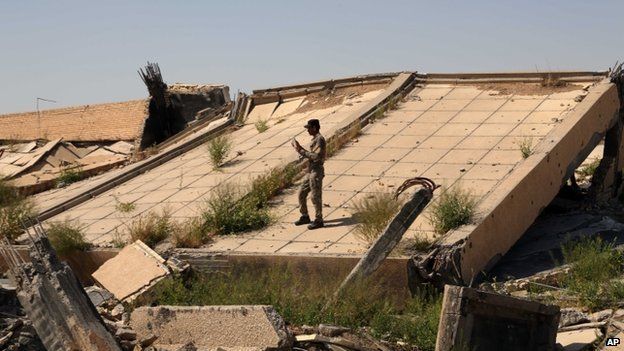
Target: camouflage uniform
{"type": "Point", "coordinates": [313, 180]}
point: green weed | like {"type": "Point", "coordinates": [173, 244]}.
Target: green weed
{"type": "Point", "coordinates": [69, 174]}
{"type": "Point", "coordinates": [589, 169]}
{"type": "Point", "coordinates": [67, 237]}
{"type": "Point", "coordinates": [261, 125]}
{"type": "Point", "coordinates": [526, 147]}
{"type": "Point", "coordinates": [233, 209]}
{"type": "Point", "coordinates": [454, 208]}
{"type": "Point", "coordinates": [594, 264]}
{"type": "Point", "coordinates": [373, 212]}
{"type": "Point", "coordinates": [218, 149]}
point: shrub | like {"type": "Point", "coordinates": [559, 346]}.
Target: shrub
{"type": "Point", "coordinates": [266, 186]}
{"type": "Point", "coordinates": [191, 233]}
{"type": "Point", "coordinates": [151, 228]}
{"type": "Point", "coordinates": [454, 208]}
{"type": "Point", "coordinates": [218, 149]}
{"type": "Point", "coordinates": [227, 212]}
{"type": "Point", "coordinates": [526, 147]}
{"type": "Point", "coordinates": [261, 125]}
{"type": "Point", "coordinates": [594, 264]}
{"type": "Point", "coordinates": [125, 207]}
{"type": "Point", "coordinates": [373, 213]}
{"type": "Point", "coordinates": [69, 174]}
{"type": "Point", "coordinates": [234, 209]}
{"type": "Point", "coordinates": [66, 237]}
{"type": "Point", "coordinates": [12, 216]}
{"type": "Point", "coordinates": [8, 194]}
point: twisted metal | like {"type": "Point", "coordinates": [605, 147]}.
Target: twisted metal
{"type": "Point", "coordinates": [426, 183]}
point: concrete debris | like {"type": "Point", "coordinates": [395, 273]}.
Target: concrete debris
{"type": "Point", "coordinates": [54, 299]}
{"type": "Point", "coordinates": [97, 295]}
{"type": "Point", "coordinates": [331, 330]}
{"type": "Point", "coordinates": [600, 315]}
{"type": "Point", "coordinates": [210, 327]}
{"type": "Point", "coordinates": [473, 319]}
{"type": "Point", "coordinates": [133, 272]}
{"type": "Point", "coordinates": [572, 316]}
{"type": "Point", "coordinates": [392, 234]}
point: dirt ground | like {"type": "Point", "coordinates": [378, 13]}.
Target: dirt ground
{"type": "Point", "coordinates": [326, 99]}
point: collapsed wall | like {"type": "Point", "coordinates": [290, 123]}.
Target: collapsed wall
{"type": "Point", "coordinates": [55, 302]}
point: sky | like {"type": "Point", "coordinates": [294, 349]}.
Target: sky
{"type": "Point", "coordinates": [85, 52]}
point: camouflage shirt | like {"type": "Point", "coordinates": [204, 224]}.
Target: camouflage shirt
{"type": "Point", "coordinates": [317, 153]}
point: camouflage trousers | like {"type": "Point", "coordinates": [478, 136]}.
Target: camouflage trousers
{"type": "Point", "coordinates": [313, 182]}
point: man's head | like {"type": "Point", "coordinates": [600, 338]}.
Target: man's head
{"type": "Point", "coordinates": [313, 126]}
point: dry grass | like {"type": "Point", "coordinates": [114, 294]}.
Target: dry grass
{"type": "Point", "coordinates": [454, 208]}
{"type": "Point", "coordinates": [218, 150]}
{"type": "Point", "coordinates": [261, 125]}
{"type": "Point", "coordinates": [67, 237]}
{"type": "Point", "coordinates": [151, 228]}
{"type": "Point", "coordinates": [191, 233]}
{"type": "Point", "coordinates": [373, 213]}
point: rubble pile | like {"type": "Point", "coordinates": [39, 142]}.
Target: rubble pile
{"type": "Point", "coordinates": [117, 320]}
{"type": "Point", "coordinates": [16, 331]}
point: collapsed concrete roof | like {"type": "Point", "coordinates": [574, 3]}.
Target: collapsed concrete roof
{"type": "Point", "coordinates": [98, 122]}
{"type": "Point", "coordinates": [457, 129]}
{"type": "Point", "coordinates": [182, 182]}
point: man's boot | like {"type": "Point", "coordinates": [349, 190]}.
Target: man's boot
{"type": "Point", "coordinates": [316, 224]}
{"type": "Point", "coordinates": [303, 220]}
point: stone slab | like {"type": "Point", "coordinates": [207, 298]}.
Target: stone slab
{"type": "Point", "coordinates": [212, 327]}
{"type": "Point", "coordinates": [131, 272]}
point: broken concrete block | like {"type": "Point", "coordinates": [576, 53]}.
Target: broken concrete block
{"type": "Point", "coordinates": [600, 315]}
{"type": "Point", "coordinates": [331, 330]}
{"type": "Point", "coordinates": [126, 334]}
{"type": "Point", "coordinates": [210, 327]}
{"type": "Point", "coordinates": [135, 270]}
{"type": "Point", "coordinates": [578, 340]}
{"type": "Point", "coordinates": [476, 320]}
{"type": "Point", "coordinates": [98, 295]}
{"type": "Point", "coordinates": [572, 316]}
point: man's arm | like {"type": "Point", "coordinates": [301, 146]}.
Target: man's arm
{"type": "Point", "coordinates": [316, 153]}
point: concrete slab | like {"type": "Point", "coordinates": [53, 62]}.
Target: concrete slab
{"type": "Point", "coordinates": [578, 340]}
{"type": "Point", "coordinates": [213, 327]}
{"type": "Point", "coordinates": [129, 274]}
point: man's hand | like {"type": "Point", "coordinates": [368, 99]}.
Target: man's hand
{"type": "Point", "coordinates": [296, 145]}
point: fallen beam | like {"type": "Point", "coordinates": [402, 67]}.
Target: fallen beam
{"type": "Point", "coordinates": [391, 236]}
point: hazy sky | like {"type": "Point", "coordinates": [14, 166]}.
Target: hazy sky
{"type": "Point", "coordinates": [81, 52]}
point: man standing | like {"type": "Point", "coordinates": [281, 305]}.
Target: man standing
{"type": "Point", "coordinates": [314, 178]}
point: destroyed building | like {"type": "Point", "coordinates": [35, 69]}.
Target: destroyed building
{"type": "Point", "coordinates": [39, 150]}
{"type": "Point", "coordinates": [512, 140]}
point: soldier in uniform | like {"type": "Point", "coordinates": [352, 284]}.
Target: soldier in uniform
{"type": "Point", "coordinates": [313, 181]}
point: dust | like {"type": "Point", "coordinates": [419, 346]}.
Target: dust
{"type": "Point", "coordinates": [326, 98]}
{"type": "Point", "coordinates": [545, 88]}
